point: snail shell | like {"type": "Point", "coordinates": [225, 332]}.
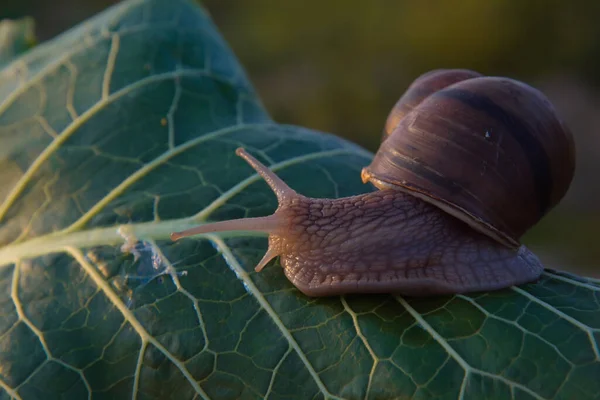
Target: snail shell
{"type": "Point", "coordinates": [488, 150]}
{"type": "Point", "coordinates": [420, 89]}
{"type": "Point", "coordinates": [463, 151]}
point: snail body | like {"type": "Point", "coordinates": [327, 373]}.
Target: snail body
{"type": "Point", "coordinates": [429, 229]}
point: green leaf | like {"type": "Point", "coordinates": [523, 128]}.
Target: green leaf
{"type": "Point", "coordinates": [123, 130]}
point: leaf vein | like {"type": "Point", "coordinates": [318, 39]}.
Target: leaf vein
{"type": "Point", "coordinates": [243, 275]}
{"type": "Point", "coordinates": [14, 294]}
{"type": "Point", "coordinates": [11, 392]}
{"type": "Point", "coordinates": [71, 90]}
{"type": "Point", "coordinates": [365, 342]}
{"type": "Point", "coordinates": [175, 278]}
{"type": "Point", "coordinates": [276, 370]}
{"type": "Point", "coordinates": [72, 128]}
{"type": "Point", "coordinates": [571, 281]}
{"type": "Point", "coordinates": [128, 315]}
{"type": "Point", "coordinates": [157, 162]}
{"type": "Point", "coordinates": [110, 64]}
{"type": "Point", "coordinates": [516, 325]}
{"type": "Point", "coordinates": [454, 354]}
{"type": "Point", "coordinates": [234, 190]}
{"type": "Point", "coordinates": [138, 370]}
{"type": "Point", "coordinates": [588, 330]}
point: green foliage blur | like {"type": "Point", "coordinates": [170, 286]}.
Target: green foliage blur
{"type": "Point", "coordinates": [339, 66]}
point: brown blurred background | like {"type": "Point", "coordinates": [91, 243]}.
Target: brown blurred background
{"type": "Point", "coordinates": [339, 66]}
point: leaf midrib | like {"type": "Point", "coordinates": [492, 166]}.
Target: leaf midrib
{"type": "Point", "coordinates": [157, 230]}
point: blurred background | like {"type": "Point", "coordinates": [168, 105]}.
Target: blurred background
{"type": "Point", "coordinates": [339, 67]}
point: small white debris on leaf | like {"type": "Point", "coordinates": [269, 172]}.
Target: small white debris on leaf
{"type": "Point", "coordinates": [152, 262]}
{"type": "Point", "coordinates": [130, 245]}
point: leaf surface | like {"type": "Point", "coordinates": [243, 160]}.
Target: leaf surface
{"type": "Point", "coordinates": [123, 130]}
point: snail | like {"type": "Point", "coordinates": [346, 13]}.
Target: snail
{"type": "Point", "coordinates": [468, 163]}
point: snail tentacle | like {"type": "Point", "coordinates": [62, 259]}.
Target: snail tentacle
{"type": "Point", "coordinates": [274, 224]}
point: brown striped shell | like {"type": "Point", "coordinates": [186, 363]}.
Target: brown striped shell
{"type": "Point", "coordinates": [421, 88]}
{"type": "Point", "coordinates": [488, 150]}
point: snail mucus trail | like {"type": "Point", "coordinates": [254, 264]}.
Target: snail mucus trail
{"type": "Point", "coordinates": [403, 238]}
